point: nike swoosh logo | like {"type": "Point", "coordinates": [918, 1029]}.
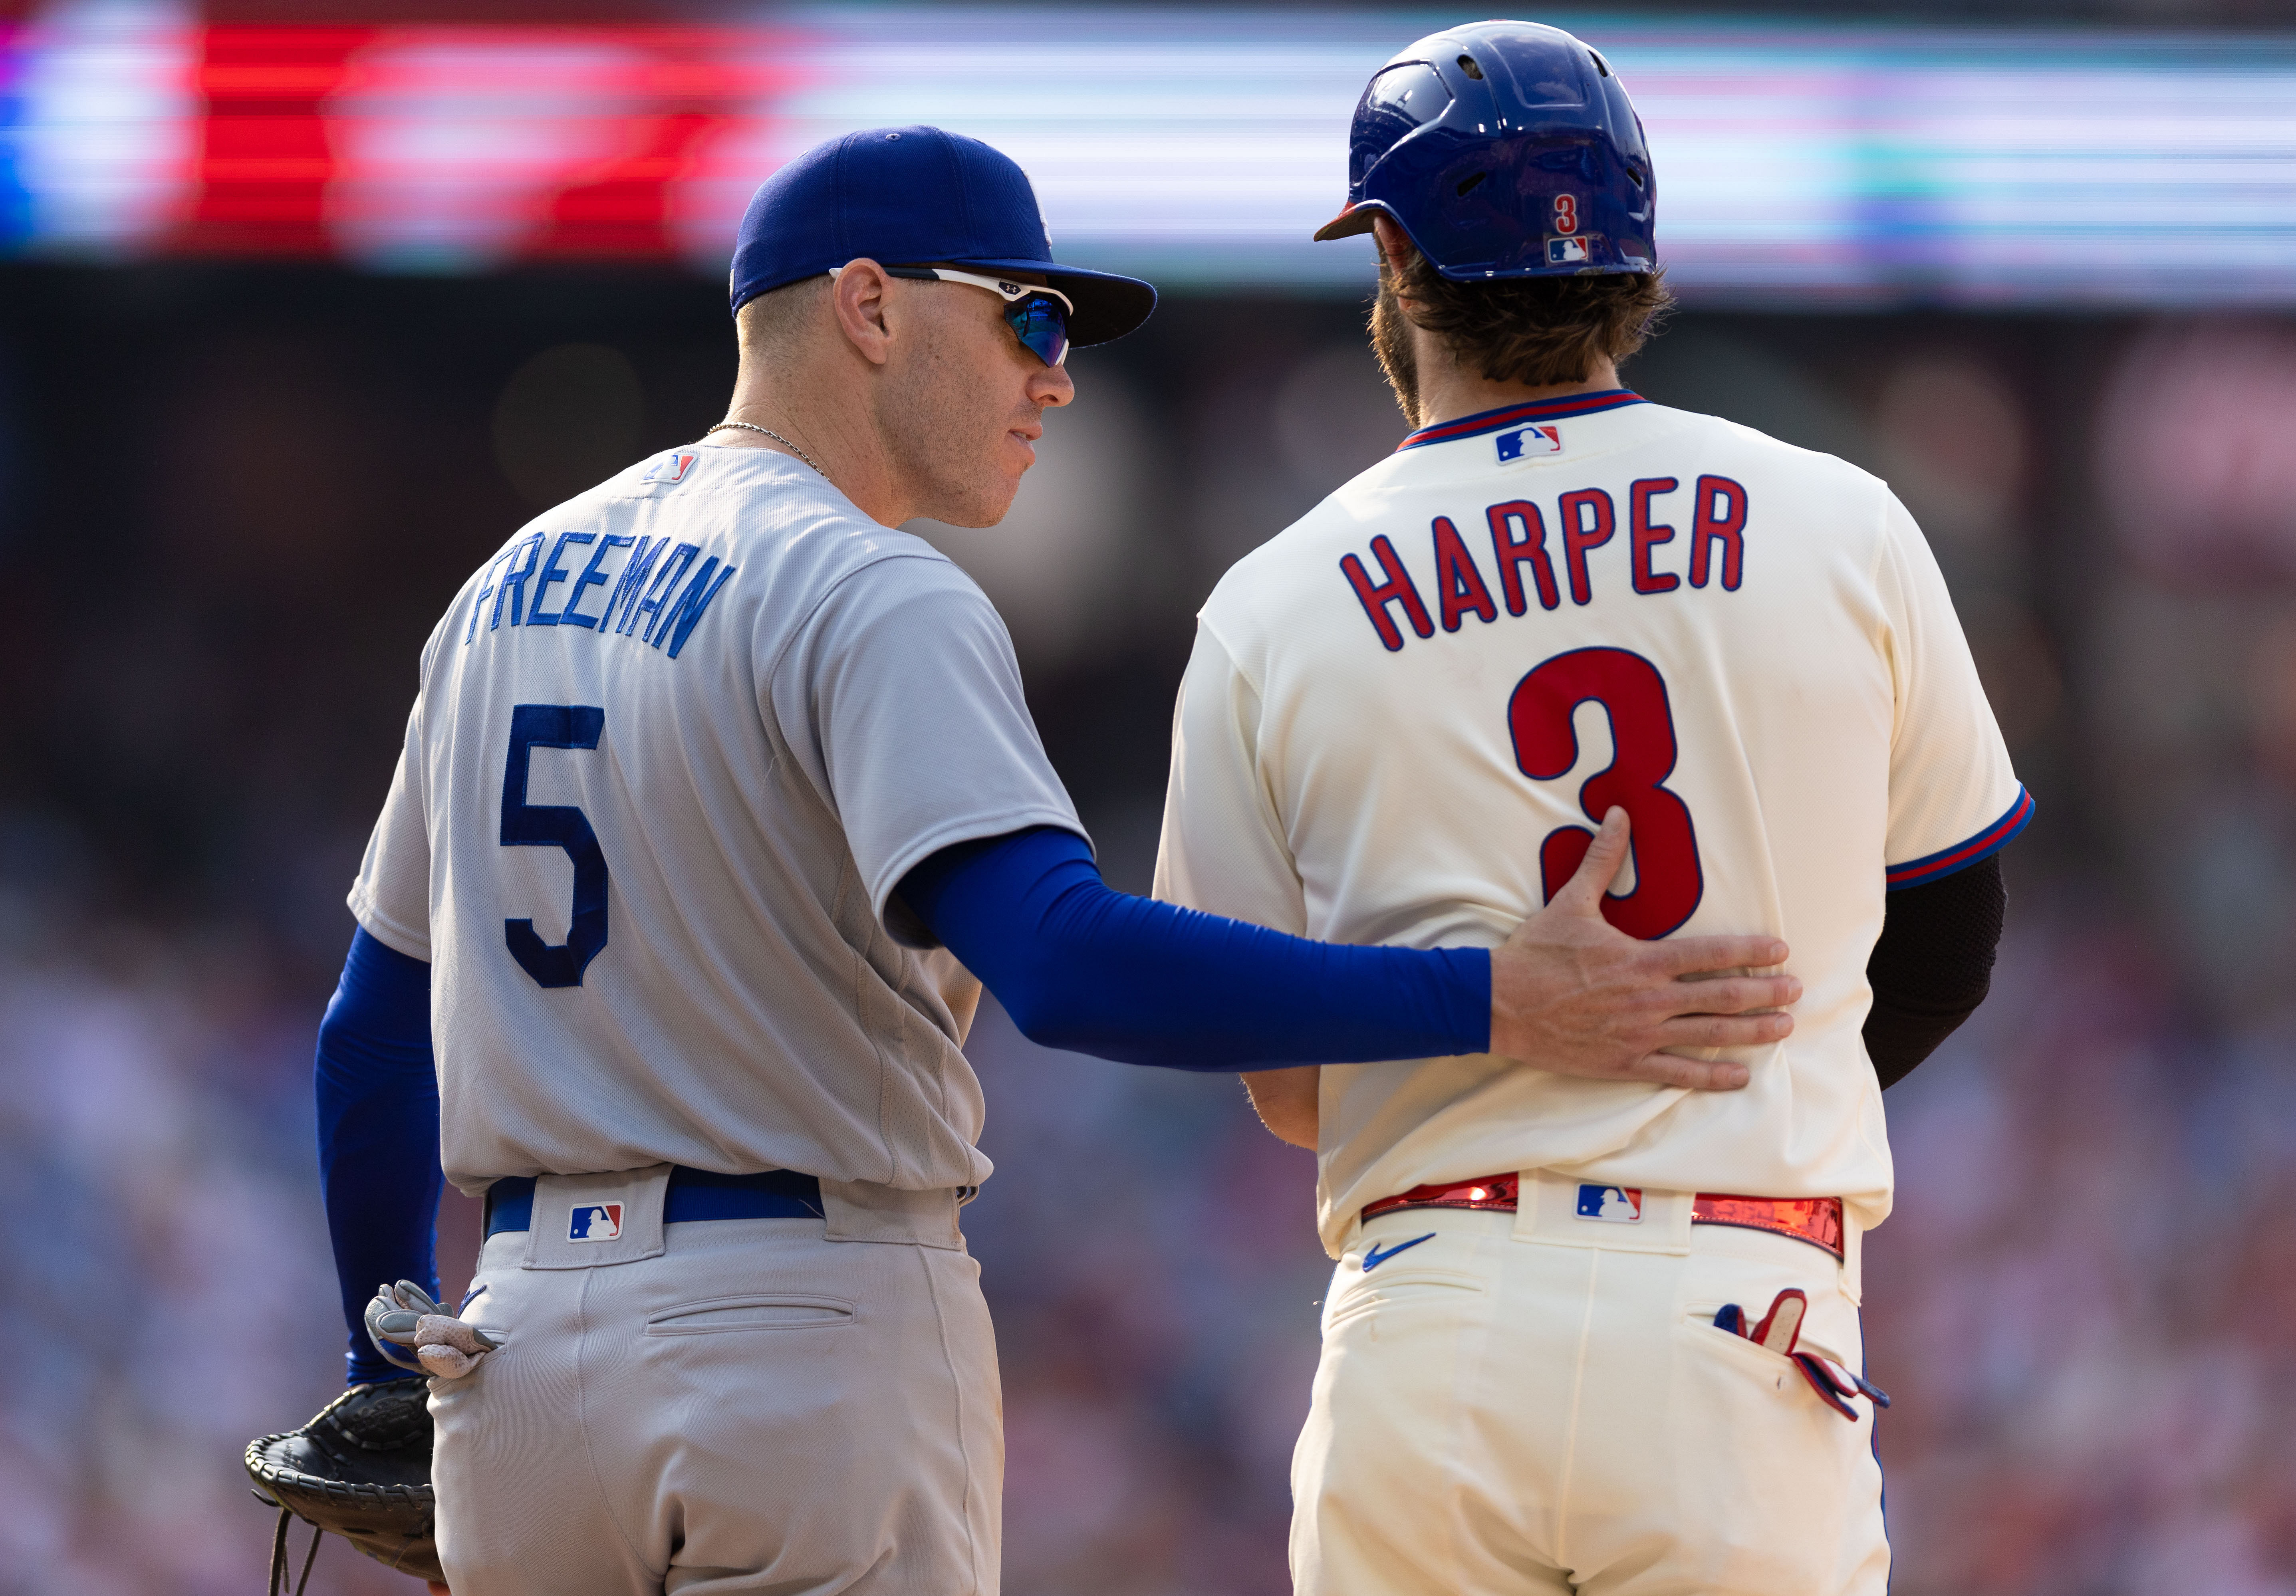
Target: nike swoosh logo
{"type": "Point", "coordinates": [1373, 1257]}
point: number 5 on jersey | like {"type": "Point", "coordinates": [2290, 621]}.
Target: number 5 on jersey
{"type": "Point", "coordinates": [1667, 880]}
{"type": "Point", "coordinates": [555, 825]}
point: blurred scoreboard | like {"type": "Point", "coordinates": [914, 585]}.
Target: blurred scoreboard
{"type": "Point", "coordinates": [1798, 166]}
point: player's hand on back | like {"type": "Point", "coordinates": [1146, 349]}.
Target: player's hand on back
{"type": "Point", "coordinates": [1572, 994]}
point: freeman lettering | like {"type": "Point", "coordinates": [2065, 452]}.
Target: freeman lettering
{"type": "Point", "coordinates": [644, 598]}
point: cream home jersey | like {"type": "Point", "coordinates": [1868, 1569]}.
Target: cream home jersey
{"type": "Point", "coordinates": [1405, 713]}
{"type": "Point", "coordinates": [676, 743]}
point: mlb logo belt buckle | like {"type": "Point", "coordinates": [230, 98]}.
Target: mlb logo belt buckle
{"type": "Point", "coordinates": [1611, 1205]}
{"type": "Point", "coordinates": [596, 1221]}
{"type": "Point", "coordinates": [1817, 1220]}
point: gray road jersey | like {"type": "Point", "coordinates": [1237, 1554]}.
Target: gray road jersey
{"type": "Point", "coordinates": [675, 744]}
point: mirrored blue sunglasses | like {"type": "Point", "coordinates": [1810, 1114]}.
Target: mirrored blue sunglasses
{"type": "Point", "coordinates": [1038, 316]}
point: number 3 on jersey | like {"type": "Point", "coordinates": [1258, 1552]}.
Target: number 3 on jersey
{"type": "Point", "coordinates": [555, 825]}
{"type": "Point", "coordinates": [1667, 880]}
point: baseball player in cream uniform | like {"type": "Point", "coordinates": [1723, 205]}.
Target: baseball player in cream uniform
{"type": "Point", "coordinates": [1582, 1336]}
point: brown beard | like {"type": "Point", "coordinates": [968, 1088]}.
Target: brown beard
{"type": "Point", "coordinates": [1390, 341]}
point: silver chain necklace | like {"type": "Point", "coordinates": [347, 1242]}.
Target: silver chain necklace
{"type": "Point", "coordinates": [777, 437]}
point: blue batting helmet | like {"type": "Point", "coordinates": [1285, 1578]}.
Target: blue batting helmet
{"type": "Point", "coordinates": [1504, 150]}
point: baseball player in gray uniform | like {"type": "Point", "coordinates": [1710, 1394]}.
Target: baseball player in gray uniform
{"type": "Point", "coordinates": [719, 805]}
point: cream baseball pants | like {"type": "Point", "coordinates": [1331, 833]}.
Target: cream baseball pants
{"type": "Point", "coordinates": [1538, 1403]}
{"type": "Point", "coordinates": [755, 1408]}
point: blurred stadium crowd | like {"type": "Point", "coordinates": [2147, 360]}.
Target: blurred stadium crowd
{"type": "Point", "coordinates": [232, 503]}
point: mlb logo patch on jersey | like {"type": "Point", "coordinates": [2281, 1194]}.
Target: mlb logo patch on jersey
{"type": "Point", "coordinates": [602, 1221]}
{"type": "Point", "coordinates": [1525, 442]}
{"type": "Point", "coordinates": [669, 468]}
{"type": "Point", "coordinates": [1619, 1205]}
{"type": "Point", "coordinates": [1566, 252]}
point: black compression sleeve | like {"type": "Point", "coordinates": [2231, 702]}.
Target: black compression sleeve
{"type": "Point", "coordinates": [1931, 965]}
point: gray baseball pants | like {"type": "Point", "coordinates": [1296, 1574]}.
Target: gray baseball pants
{"type": "Point", "coordinates": [752, 1406]}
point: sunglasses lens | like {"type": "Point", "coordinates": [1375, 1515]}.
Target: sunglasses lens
{"type": "Point", "coordinates": [1041, 324]}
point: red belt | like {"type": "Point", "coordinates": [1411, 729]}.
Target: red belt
{"type": "Point", "coordinates": [1817, 1220]}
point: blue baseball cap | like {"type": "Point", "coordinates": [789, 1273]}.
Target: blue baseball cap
{"type": "Point", "coordinates": [917, 196]}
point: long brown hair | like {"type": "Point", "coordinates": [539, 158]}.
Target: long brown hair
{"type": "Point", "coordinates": [1535, 330]}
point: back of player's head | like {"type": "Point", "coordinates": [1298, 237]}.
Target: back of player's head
{"type": "Point", "coordinates": [1512, 162]}
{"type": "Point", "coordinates": [1504, 150]}
{"type": "Point", "coordinates": [1536, 330]}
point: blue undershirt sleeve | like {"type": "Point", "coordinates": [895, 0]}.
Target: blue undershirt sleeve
{"type": "Point", "coordinates": [378, 1092]}
{"type": "Point", "coordinates": [1082, 966]}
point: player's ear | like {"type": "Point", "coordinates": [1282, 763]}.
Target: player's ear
{"type": "Point", "coordinates": [857, 300]}
{"type": "Point", "coordinates": [1395, 245]}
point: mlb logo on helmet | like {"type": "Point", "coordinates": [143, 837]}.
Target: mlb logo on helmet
{"type": "Point", "coordinates": [1619, 1205]}
{"type": "Point", "coordinates": [669, 468]}
{"type": "Point", "coordinates": [1566, 252]}
{"type": "Point", "coordinates": [1525, 441]}
{"type": "Point", "coordinates": [602, 1221]}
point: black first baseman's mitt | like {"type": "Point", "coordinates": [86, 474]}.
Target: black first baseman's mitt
{"type": "Point", "coordinates": [362, 1468]}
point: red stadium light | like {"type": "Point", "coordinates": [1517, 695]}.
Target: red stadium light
{"type": "Point", "coordinates": [265, 163]}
